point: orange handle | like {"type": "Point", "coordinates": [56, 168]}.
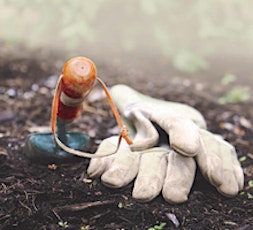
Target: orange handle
{"type": "Point", "coordinates": [78, 78]}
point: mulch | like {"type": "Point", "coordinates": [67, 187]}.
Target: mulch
{"type": "Point", "coordinates": [61, 195]}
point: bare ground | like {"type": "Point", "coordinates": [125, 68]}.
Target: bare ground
{"type": "Point", "coordinates": [37, 196]}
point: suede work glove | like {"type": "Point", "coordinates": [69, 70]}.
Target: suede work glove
{"type": "Point", "coordinates": [169, 168]}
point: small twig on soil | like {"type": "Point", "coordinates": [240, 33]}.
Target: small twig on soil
{"type": "Point", "coordinates": [100, 215]}
{"type": "Point", "coordinates": [56, 214]}
{"type": "Point", "coordinates": [125, 219]}
{"type": "Point", "coordinates": [82, 206]}
{"type": "Point", "coordinates": [25, 206]}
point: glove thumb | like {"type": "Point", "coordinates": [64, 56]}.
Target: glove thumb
{"type": "Point", "coordinates": [183, 133]}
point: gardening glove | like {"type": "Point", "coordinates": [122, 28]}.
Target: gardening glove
{"type": "Point", "coordinates": [219, 164]}
{"type": "Point", "coordinates": [171, 170]}
{"type": "Point", "coordinates": [155, 169]}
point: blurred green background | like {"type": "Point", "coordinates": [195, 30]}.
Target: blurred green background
{"type": "Point", "coordinates": [207, 40]}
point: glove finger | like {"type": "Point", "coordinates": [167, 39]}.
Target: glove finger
{"type": "Point", "coordinates": [179, 178]}
{"type": "Point", "coordinates": [146, 134]}
{"type": "Point", "coordinates": [230, 186]}
{"type": "Point", "coordinates": [149, 181]}
{"type": "Point", "coordinates": [233, 177]}
{"type": "Point", "coordinates": [184, 137]}
{"type": "Point", "coordinates": [183, 133]}
{"type": "Point", "coordinates": [210, 166]}
{"type": "Point", "coordinates": [225, 172]}
{"type": "Point", "coordinates": [98, 166]}
{"type": "Point", "coordinates": [123, 169]}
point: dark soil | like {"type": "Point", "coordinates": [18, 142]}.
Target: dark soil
{"type": "Point", "coordinates": [37, 196]}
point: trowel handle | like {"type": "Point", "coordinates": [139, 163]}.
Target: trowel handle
{"type": "Point", "coordinates": [78, 78]}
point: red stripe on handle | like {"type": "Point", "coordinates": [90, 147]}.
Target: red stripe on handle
{"type": "Point", "coordinates": [69, 112]}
